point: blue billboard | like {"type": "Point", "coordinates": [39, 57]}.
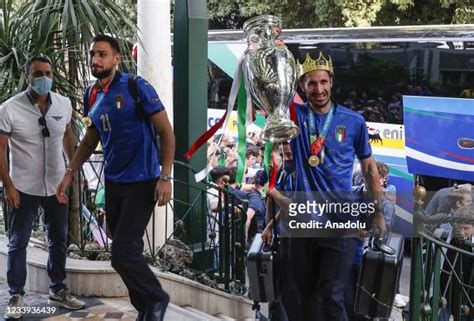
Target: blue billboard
{"type": "Point", "coordinates": [439, 136]}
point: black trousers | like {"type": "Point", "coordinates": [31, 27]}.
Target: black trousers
{"type": "Point", "coordinates": [129, 207]}
{"type": "Point", "coordinates": [320, 268]}
{"type": "Point", "coordinates": [287, 285]}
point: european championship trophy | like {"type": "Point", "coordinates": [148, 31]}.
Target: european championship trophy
{"type": "Point", "coordinates": [270, 73]}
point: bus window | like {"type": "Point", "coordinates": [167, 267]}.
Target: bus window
{"type": "Point", "coordinates": [219, 85]}
{"type": "Point", "coordinates": [371, 77]}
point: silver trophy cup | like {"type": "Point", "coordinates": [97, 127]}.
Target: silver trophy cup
{"type": "Point", "coordinates": [270, 73]}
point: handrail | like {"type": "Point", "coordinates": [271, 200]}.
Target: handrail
{"type": "Point", "coordinates": [438, 290]}
{"type": "Point", "coordinates": [444, 244]}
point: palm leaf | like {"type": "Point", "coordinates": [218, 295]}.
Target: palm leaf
{"type": "Point", "coordinates": [61, 29]}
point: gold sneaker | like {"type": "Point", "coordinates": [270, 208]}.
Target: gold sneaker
{"type": "Point", "coordinates": [65, 300]}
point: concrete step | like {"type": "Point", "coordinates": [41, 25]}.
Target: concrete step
{"type": "Point", "coordinates": [98, 279]}
{"type": "Point", "coordinates": [223, 317]}
{"type": "Point", "coordinates": [175, 312]}
{"type": "Point", "coordinates": [200, 313]}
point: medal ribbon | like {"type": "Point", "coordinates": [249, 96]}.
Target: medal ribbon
{"type": "Point", "coordinates": [273, 176]}
{"type": "Point", "coordinates": [242, 132]}
{"type": "Point", "coordinates": [222, 123]}
{"type": "Point", "coordinates": [267, 156]}
{"type": "Point", "coordinates": [317, 144]}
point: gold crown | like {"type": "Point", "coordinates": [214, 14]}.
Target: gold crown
{"type": "Point", "coordinates": [310, 64]}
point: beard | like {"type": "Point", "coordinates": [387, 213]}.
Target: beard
{"type": "Point", "coordinates": [102, 74]}
{"type": "Point", "coordinates": [319, 103]}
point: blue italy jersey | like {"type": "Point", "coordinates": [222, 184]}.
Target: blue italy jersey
{"type": "Point", "coordinates": [130, 153]}
{"type": "Point", "coordinates": [347, 137]}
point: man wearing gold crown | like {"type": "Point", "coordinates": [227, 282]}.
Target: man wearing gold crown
{"type": "Point", "coordinates": [331, 136]}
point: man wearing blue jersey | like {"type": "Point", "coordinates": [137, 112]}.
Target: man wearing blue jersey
{"type": "Point", "coordinates": [134, 182]}
{"type": "Point", "coordinates": [331, 137]}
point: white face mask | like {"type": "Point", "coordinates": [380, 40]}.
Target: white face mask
{"type": "Point", "coordinates": [42, 85]}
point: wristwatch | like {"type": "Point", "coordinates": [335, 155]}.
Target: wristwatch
{"type": "Point", "coordinates": [164, 177]}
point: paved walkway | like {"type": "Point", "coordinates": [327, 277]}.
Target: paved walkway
{"type": "Point", "coordinates": [404, 287]}
{"type": "Point", "coordinates": [113, 309]}
{"type": "Point", "coordinates": [96, 309]}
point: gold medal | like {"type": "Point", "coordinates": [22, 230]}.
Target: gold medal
{"type": "Point", "coordinates": [87, 121]}
{"type": "Point", "coordinates": [313, 160]}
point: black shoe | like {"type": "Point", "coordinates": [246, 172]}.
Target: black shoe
{"type": "Point", "coordinates": [157, 311]}
{"type": "Point", "coordinates": [141, 316]}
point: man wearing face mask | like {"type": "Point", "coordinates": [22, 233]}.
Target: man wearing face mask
{"type": "Point", "coordinates": [286, 174]}
{"type": "Point", "coordinates": [35, 124]}
{"type": "Point", "coordinates": [277, 203]}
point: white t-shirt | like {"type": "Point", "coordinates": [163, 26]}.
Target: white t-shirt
{"type": "Point", "coordinates": [36, 162]}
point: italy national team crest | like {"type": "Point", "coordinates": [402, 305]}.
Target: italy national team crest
{"type": "Point", "coordinates": [340, 133]}
{"type": "Point", "coordinates": [119, 101]}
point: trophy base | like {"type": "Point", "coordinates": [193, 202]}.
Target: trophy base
{"type": "Point", "coordinates": [277, 133]}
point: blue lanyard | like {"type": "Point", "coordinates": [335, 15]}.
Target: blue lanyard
{"type": "Point", "coordinates": [312, 123]}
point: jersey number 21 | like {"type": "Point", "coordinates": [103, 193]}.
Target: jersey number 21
{"type": "Point", "coordinates": [105, 122]}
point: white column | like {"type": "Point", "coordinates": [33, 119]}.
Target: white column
{"type": "Point", "coordinates": [154, 64]}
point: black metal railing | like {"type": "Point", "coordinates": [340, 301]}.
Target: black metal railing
{"type": "Point", "coordinates": [219, 255]}
{"type": "Point", "coordinates": [223, 238]}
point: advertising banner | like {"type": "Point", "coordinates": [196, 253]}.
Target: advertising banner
{"type": "Point", "coordinates": [439, 136]}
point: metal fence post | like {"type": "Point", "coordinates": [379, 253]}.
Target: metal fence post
{"type": "Point", "coordinates": [416, 272]}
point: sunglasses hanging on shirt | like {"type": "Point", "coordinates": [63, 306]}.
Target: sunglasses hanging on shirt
{"type": "Point", "coordinates": [45, 130]}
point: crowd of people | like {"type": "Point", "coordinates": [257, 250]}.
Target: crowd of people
{"type": "Point", "coordinates": [455, 201]}
{"type": "Point", "coordinates": [381, 108]}
{"type": "Point", "coordinates": [450, 201]}
{"type": "Point", "coordinates": [377, 110]}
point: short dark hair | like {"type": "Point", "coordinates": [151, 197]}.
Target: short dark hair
{"type": "Point", "coordinates": [110, 40]}
{"type": "Point", "coordinates": [457, 195]}
{"type": "Point", "coordinates": [218, 172]}
{"type": "Point", "coordinates": [261, 177]}
{"type": "Point", "coordinates": [465, 214]}
{"type": "Point", "coordinates": [252, 150]}
{"type": "Point", "coordinates": [232, 172]}
{"type": "Point", "coordinates": [383, 169]}
{"type": "Point", "coordinates": [31, 60]}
